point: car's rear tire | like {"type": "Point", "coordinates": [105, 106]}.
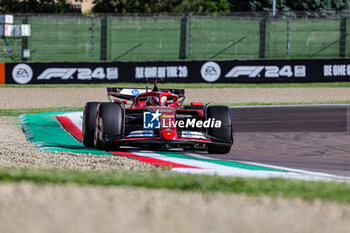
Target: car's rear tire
{"type": "Point", "coordinates": [89, 118]}
{"type": "Point", "coordinates": [109, 124]}
{"type": "Point", "coordinates": [224, 132]}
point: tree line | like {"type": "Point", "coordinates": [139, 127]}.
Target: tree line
{"type": "Point", "coordinates": [36, 6]}
{"type": "Point", "coordinates": [174, 6]}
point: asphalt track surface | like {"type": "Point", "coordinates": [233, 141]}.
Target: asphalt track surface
{"type": "Point", "coordinates": [314, 138]}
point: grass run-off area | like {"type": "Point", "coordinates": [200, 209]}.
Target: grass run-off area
{"type": "Point", "coordinates": [188, 85]}
{"type": "Point", "coordinates": [308, 190]}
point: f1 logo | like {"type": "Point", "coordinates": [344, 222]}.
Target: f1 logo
{"type": "Point", "coordinates": [151, 120]}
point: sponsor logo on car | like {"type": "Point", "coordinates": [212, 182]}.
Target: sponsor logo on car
{"type": "Point", "coordinates": [210, 71]}
{"type": "Point", "coordinates": [22, 73]}
{"type": "Point", "coordinates": [269, 71]}
{"type": "Point", "coordinates": [129, 91]}
{"type": "Point", "coordinates": [183, 115]}
{"type": "Point", "coordinates": [140, 133]}
{"type": "Point", "coordinates": [193, 134]}
{"type": "Point", "coordinates": [166, 110]}
{"type": "Point", "coordinates": [186, 134]}
{"type": "Point", "coordinates": [135, 92]}
{"type": "Point", "coordinates": [166, 116]}
{"type": "Point", "coordinates": [148, 133]}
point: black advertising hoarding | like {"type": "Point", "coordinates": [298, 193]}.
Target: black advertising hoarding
{"type": "Point", "coordinates": [99, 72]}
{"type": "Point", "coordinates": [228, 71]}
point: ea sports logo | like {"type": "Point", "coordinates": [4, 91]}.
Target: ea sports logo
{"type": "Point", "coordinates": [210, 71]}
{"type": "Point", "coordinates": [22, 73]}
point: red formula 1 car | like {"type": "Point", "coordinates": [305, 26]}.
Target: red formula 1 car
{"type": "Point", "coordinates": [156, 119]}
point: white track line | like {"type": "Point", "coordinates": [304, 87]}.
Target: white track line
{"type": "Point", "coordinates": [309, 175]}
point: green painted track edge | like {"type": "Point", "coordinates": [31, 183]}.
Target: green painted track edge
{"type": "Point", "coordinates": [44, 131]}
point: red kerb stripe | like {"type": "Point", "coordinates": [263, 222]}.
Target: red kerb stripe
{"type": "Point", "coordinates": [157, 162]}
{"type": "Point", "coordinates": [70, 127]}
{"type": "Point", "coordinates": [76, 132]}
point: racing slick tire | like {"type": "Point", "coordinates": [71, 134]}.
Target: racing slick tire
{"type": "Point", "coordinates": [109, 124]}
{"type": "Point", "coordinates": [224, 133]}
{"type": "Point", "coordinates": [89, 119]}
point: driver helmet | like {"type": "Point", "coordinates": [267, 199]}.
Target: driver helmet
{"type": "Point", "coordinates": [163, 101]}
{"type": "Point", "coordinates": [154, 100]}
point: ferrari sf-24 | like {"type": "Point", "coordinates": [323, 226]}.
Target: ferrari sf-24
{"type": "Point", "coordinates": [156, 119]}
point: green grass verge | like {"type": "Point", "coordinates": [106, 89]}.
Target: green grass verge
{"type": "Point", "coordinates": [330, 191]}
{"type": "Point", "coordinates": [189, 85]}
{"type": "Point", "coordinates": [17, 112]}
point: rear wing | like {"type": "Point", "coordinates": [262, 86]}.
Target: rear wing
{"type": "Point", "coordinates": [131, 93]}
{"type": "Point", "coordinates": [125, 93]}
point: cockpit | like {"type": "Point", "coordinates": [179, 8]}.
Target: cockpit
{"type": "Point", "coordinates": [156, 99]}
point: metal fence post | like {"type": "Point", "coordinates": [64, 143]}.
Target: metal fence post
{"type": "Point", "coordinates": [103, 45]}
{"type": "Point", "coordinates": [342, 40]}
{"type": "Point", "coordinates": [262, 36]}
{"type": "Point", "coordinates": [183, 31]}
{"type": "Point", "coordinates": [288, 40]}
{"type": "Point", "coordinates": [93, 35]}
{"type": "Point", "coordinates": [189, 37]}
{"type": "Point", "coordinates": [24, 40]}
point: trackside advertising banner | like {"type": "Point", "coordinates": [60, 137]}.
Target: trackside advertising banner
{"type": "Point", "coordinates": [204, 71]}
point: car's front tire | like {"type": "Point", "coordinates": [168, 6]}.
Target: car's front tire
{"type": "Point", "coordinates": [89, 118]}
{"type": "Point", "coordinates": [109, 124]}
{"type": "Point", "coordinates": [224, 132]}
